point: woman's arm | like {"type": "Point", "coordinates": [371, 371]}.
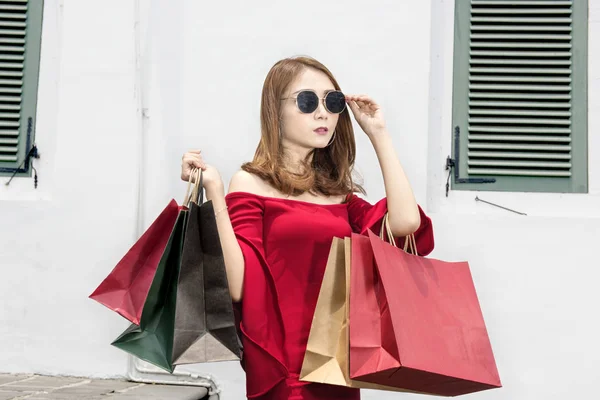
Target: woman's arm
{"type": "Point", "coordinates": [403, 211]}
{"type": "Point", "coordinates": [215, 192]}
{"type": "Point", "coordinates": [232, 253]}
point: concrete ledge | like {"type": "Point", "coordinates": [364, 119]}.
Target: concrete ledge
{"type": "Point", "coordinates": [38, 387]}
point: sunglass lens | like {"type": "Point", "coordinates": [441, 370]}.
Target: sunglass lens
{"type": "Point", "coordinates": [307, 102]}
{"type": "Point", "coordinates": [335, 102]}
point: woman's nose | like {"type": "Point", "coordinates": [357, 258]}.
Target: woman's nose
{"type": "Point", "coordinates": [321, 111]}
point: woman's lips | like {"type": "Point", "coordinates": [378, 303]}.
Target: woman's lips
{"type": "Point", "coordinates": [321, 131]}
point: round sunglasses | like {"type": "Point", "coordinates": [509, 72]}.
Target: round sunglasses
{"type": "Point", "coordinates": [307, 101]}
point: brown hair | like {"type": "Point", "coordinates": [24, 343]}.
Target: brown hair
{"type": "Point", "coordinates": [330, 172]}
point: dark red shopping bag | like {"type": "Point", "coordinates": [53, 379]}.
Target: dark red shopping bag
{"type": "Point", "coordinates": [125, 289]}
{"type": "Point", "coordinates": [416, 322]}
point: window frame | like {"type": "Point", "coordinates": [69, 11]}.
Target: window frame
{"type": "Point", "coordinates": [578, 182]}
{"type": "Point", "coordinates": [29, 96]}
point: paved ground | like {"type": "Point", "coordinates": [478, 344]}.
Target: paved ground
{"type": "Point", "coordinates": [36, 387]}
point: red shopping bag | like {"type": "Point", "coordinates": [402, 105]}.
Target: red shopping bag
{"type": "Point", "coordinates": [125, 289]}
{"type": "Point", "coordinates": [416, 323]}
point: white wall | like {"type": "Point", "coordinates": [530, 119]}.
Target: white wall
{"type": "Point", "coordinates": [59, 241]}
{"type": "Point", "coordinates": [215, 57]}
{"type": "Point", "coordinates": [201, 71]}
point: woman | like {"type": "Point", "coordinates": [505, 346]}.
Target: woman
{"type": "Point", "coordinates": [277, 222]}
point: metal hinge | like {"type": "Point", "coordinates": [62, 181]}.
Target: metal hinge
{"type": "Point", "coordinates": [454, 163]}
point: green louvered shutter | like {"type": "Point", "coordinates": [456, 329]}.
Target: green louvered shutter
{"type": "Point", "coordinates": [520, 95]}
{"type": "Point", "coordinates": [20, 39]}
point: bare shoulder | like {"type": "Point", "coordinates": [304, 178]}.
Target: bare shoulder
{"type": "Point", "coordinates": [243, 181]}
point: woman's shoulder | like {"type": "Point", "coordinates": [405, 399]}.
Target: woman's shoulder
{"type": "Point", "coordinates": [248, 188]}
{"type": "Point", "coordinates": [244, 182]}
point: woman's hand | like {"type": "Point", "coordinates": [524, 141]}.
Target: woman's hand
{"type": "Point", "coordinates": [211, 179]}
{"type": "Point", "coordinates": [367, 113]}
{"type": "Point", "coordinates": [232, 253]}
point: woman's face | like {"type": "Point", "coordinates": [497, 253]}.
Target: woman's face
{"type": "Point", "coordinates": [307, 131]}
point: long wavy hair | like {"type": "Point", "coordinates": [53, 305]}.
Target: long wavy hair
{"type": "Point", "coordinates": [326, 171]}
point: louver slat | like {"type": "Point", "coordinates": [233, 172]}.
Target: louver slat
{"type": "Point", "coordinates": [521, 2]}
{"type": "Point", "coordinates": [13, 17]}
{"type": "Point", "coordinates": [520, 85]}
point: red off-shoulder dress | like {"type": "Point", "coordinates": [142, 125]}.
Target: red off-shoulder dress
{"type": "Point", "coordinates": [285, 244]}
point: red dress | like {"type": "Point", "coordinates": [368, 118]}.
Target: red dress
{"type": "Point", "coordinates": [285, 244]}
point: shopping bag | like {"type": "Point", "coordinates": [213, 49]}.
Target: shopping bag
{"type": "Point", "coordinates": [327, 353]}
{"type": "Point", "coordinates": [188, 316]}
{"type": "Point", "coordinates": [205, 329]}
{"type": "Point", "coordinates": [416, 322]}
{"type": "Point", "coordinates": [152, 339]}
{"type": "Point", "coordinates": [126, 288]}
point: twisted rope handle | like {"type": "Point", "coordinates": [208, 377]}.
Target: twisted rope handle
{"type": "Point", "coordinates": [197, 191]}
{"type": "Point", "coordinates": [410, 243]}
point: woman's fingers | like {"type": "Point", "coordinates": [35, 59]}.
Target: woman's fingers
{"type": "Point", "coordinates": [353, 106]}
{"type": "Point", "coordinates": [194, 160]}
{"type": "Point", "coordinates": [189, 161]}
{"type": "Point", "coordinates": [363, 101]}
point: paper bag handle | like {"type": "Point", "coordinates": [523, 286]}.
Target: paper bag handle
{"type": "Point", "coordinates": [198, 189]}
{"type": "Point", "coordinates": [410, 242]}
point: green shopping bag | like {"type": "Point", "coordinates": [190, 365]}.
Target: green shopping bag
{"type": "Point", "coordinates": [152, 339]}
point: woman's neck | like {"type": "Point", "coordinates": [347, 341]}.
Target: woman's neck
{"type": "Point", "coordinates": [294, 158]}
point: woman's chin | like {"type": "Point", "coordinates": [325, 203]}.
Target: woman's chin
{"type": "Point", "coordinates": [321, 142]}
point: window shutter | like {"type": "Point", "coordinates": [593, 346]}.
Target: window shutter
{"type": "Point", "coordinates": [520, 95]}
{"type": "Point", "coordinates": [20, 37]}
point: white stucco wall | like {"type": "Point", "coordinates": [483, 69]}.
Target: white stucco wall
{"type": "Point", "coordinates": [201, 69]}
{"type": "Point", "coordinates": [58, 241]}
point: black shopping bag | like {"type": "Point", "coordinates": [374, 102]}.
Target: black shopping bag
{"type": "Point", "coordinates": [205, 329]}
